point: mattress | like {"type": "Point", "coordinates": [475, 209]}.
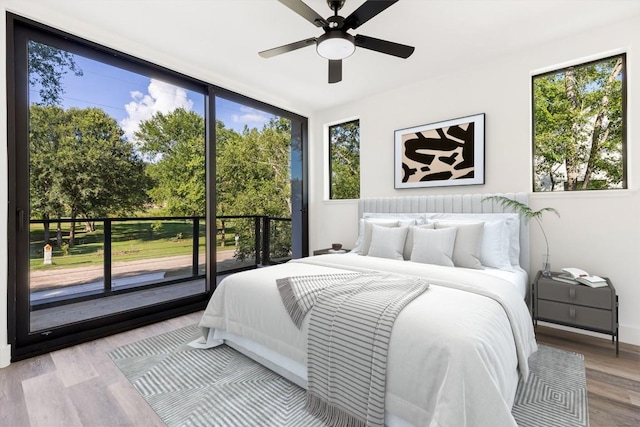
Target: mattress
{"type": "Point", "coordinates": [517, 277]}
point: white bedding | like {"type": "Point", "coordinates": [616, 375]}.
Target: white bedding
{"type": "Point", "coordinates": [516, 276]}
{"type": "Point", "coordinates": [454, 355]}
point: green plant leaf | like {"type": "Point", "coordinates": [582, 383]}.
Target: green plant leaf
{"type": "Point", "coordinates": [520, 207]}
{"type": "Point", "coordinates": [525, 211]}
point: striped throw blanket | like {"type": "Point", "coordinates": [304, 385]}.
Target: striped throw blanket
{"type": "Point", "coordinates": [348, 340]}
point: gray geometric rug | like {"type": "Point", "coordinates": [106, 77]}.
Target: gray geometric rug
{"type": "Point", "coordinates": [221, 387]}
{"type": "Point", "coordinates": [556, 392]}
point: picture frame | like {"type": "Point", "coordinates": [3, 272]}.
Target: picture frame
{"type": "Point", "coordinates": [440, 154]}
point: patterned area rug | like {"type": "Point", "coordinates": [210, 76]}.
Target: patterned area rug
{"type": "Point", "coordinates": [221, 387]}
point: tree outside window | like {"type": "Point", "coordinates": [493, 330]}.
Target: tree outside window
{"type": "Point", "coordinates": [579, 116]}
{"type": "Point", "coordinates": [344, 160]}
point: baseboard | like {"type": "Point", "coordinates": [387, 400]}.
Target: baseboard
{"type": "Point", "coordinates": [5, 356]}
{"type": "Point", "coordinates": [628, 334]}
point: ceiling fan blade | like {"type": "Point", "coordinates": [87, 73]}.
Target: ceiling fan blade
{"type": "Point", "coordinates": [366, 11]}
{"type": "Point", "coordinates": [383, 46]}
{"type": "Point", "coordinates": [301, 8]}
{"type": "Point", "coordinates": [335, 70]}
{"type": "Point", "coordinates": [287, 48]}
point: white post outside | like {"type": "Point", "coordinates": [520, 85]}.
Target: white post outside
{"type": "Point", "coordinates": [47, 254]}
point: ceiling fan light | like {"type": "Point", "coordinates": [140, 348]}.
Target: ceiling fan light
{"type": "Point", "coordinates": [335, 45]}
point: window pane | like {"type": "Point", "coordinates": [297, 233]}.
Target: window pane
{"type": "Point", "coordinates": [344, 160]}
{"type": "Point", "coordinates": [253, 186]}
{"type": "Point", "coordinates": [579, 127]}
{"type": "Point", "coordinates": [117, 186]}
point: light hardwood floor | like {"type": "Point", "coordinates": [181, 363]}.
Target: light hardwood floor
{"type": "Point", "coordinates": [80, 386]}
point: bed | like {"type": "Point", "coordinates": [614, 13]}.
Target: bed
{"type": "Point", "coordinates": [456, 351]}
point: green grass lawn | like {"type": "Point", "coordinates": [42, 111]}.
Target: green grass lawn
{"type": "Point", "coordinates": [131, 240]}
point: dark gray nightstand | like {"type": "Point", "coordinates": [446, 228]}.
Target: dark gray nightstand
{"type": "Point", "coordinates": [330, 251]}
{"type": "Point", "coordinates": [578, 306]}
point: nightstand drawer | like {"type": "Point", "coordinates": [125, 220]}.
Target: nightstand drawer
{"type": "Point", "coordinates": [575, 315]}
{"type": "Point", "coordinates": [575, 294]}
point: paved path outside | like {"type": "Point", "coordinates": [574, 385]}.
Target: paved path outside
{"type": "Point", "coordinates": [47, 279]}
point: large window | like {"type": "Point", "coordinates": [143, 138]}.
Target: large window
{"type": "Point", "coordinates": [108, 179]}
{"type": "Point", "coordinates": [255, 180]}
{"type": "Point", "coordinates": [579, 123]}
{"type": "Point", "coordinates": [344, 160]}
{"type": "Point", "coordinates": [121, 173]}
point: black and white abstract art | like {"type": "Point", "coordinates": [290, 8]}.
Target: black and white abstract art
{"type": "Point", "coordinates": [440, 154]}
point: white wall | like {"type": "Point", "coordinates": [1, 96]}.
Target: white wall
{"type": "Point", "coordinates": [597, 231]}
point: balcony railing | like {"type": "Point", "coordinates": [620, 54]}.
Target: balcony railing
{"type": "Point", "coordinates": [137, 253]}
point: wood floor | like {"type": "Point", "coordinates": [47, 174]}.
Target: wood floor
{"type": "Point", "coordinates": [80, 386]}
{"type": "Point", "coordinates": [613, 383]}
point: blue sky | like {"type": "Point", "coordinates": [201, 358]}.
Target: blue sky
{"type": "Point", "coordinates": [129, 97]}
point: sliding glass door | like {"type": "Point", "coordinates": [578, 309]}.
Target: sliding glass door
{"type": "Point", "coordinates": [111, 191]}
{"type": "Point", "coordinates": [258, 186]}
{"type": "Point", "coordinates": [132, 188]}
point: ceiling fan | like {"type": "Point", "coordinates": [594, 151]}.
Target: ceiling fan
{"type": "Point", "coordinates": [336, 43]}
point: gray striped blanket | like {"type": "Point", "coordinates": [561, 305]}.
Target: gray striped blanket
{"type": "Point", "coordinates": [348, 339]}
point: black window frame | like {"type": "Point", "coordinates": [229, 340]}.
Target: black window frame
{"type": "Point", "coordinates": [624, 117]}
{"type": "Point", "coordinates": [18, 29]}
{"type": "Point", "coordinates": [330, 163]}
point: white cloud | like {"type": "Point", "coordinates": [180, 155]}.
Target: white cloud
{"type": "Point", "coordinates": [162, 98]}
{"type": "Point", "coordinates": [251, 117]}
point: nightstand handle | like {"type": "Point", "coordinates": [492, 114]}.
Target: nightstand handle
{"type": "Point", "coordinates": [572, 293]}
{"type": "Point", "coordinates": [572, 313]}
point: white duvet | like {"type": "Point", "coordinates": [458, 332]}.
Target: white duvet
{"type": "Point", "coordinates": [455, 352]}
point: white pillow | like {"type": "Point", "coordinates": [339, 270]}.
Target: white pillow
{"type": "Point", "coordinates": [494, 244]}
{"type": "Point", "coordinates": [466, 252]}
{"type": "Point", "coordinates": [512, 221]}
{"type": "Point", "coordinates": [364, 234]}
{"type": "Point", "coordinates": [387, 242]}
{"type": "Point", "coordinates": [513, 224]}
{"type": "Point", "coordinates": [494, 249]}
{"type": "Point", "coordinates": [432, 246]}
{"type": "Point", "coordinates": [408, 243]}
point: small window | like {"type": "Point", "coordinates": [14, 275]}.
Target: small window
{"type": "Point", "coordinates": [579, 127]}
{"type": "Point", "coordinates": [344, 160]}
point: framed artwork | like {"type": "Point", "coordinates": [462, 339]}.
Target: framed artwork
{"type": "Point", "coordinates": [440, 154]}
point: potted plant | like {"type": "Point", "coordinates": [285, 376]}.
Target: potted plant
{"type": "Point", "coordinates": [528, 214]}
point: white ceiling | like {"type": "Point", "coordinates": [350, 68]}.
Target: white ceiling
{"type": "Point", "coordinates": [223, 37]}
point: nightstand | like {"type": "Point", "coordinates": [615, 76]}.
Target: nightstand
{"type": "Point", "coordinates": [330, 251]}
{"type": "Point", "coordinates": [577, 306]}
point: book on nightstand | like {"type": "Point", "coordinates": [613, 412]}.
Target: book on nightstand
{"type": "Point", "coordinates": [576, 276]}
{"type": "Point", "coordinates": [564, 279]}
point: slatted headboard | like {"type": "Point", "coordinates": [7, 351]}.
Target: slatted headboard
{"type": "Point", "coordinates": [450, 203]}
